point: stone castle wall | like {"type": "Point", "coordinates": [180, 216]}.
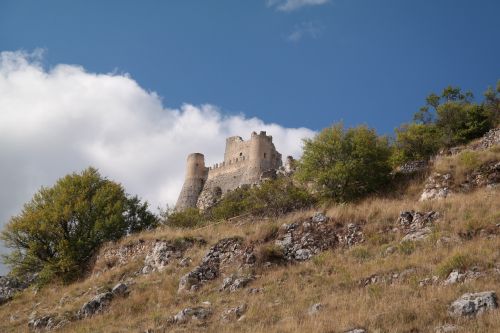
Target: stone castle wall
{"type": "Point", "coordinates": [244, 163]}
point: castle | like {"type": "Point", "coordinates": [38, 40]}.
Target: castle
{"type": "Point", "coordinates": [245, 163]}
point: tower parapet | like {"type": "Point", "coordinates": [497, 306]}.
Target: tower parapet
{"type": "Point", "coordinates": [196, 175]}
{"type": "Point", "coordinates": [244, 164]}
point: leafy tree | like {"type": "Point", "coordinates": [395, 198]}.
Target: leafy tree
{"type": "Point", "coordinates": [415, 142]}
{"type": "Point", "coordinates": [59, 230]}
{"type": "Point", "coordinates": [345, 164]}
{"type": "Point", "coordinates": [456, 117]}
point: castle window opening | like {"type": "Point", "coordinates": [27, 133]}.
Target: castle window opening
{"type": "Point", "coordinates": [241, 154]}
{"type": "Point", "coordinates": [264, 155]}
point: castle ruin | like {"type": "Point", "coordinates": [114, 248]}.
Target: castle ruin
{"type": "Point", "coordinates": [245, 163]}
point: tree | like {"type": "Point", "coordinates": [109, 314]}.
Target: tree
{"type": "Point", "coordinates": [59, 230]}
{"type": "Point", "coordinates": [345, 164]}
{"type": "Point", "coordinates": [415, 142]}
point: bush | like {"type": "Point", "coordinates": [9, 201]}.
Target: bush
{"type": "Point", "coordinates": [60, 229]}
{"type": "Point", "coordinates": [415, 142]}
{"type": "Point", "coordinates": [270, 198]}
{"type": "Point", "coordinates": [188, 218]}
{"type": "Point", "coordinates": [345, 164]}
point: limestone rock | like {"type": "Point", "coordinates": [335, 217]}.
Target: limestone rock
{"type": "Point", "coordinates": [209, 269]}
{"type": "Point", "coordinates": [315, 308]}
{"type": "Point", "coordinates": [437, 186]}
{"type": "Point", "coordinates": [233, 283]}
{"type": "Point", "coordinates": [120, 289]}
{"type": "Point", "coordinates": [417, 235]}
{"type": "Point", "coordinates": [9, 286]}
{"type": "Point", "coordinates": [356, 330]}
{"type": "Point", "coordinates": [197, 313]}
{"type": "Point", "coordinates": [160, 256]}
{"type": "Point", "coordinates": [472, 304]}
{"type": "Point", "coordinates": [232, 314]}
{"type": "Point", "coordinates": [96, 305]}
{"type": "Point", "coordinates": [209, 197]}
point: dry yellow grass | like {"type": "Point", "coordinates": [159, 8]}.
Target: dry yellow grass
{"type": "Point", "coordinates": [469, 221]}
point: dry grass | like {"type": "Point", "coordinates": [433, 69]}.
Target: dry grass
{"type": "Point", "coordinates": [468, 221]}
{"type": "Point", "coordinates": [466, 161]}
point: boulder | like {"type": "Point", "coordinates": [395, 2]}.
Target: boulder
{"type": "Point", "coordinates": [160, 256]}
{"type": "Point", "coordinates": [96, 305]}
{"type": "Point", "coordinates": [472, 304]}
{"type": "Point", "coordinates": [448, 328]}
{"type": "Point", "coordinates": [120, 289]}
{"type": "Point", "coordinates": [437, 186]}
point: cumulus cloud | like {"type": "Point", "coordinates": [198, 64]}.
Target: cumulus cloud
{"type": "Point", "coordinates": [291, 5]}
{"type": "Point", "coordinates": [59, 120]}
{"type": "Point", "coordinates": [305, 29]}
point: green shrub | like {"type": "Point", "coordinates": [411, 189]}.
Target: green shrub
{"type": "Point", "coordinates": [188, 218]}
{"type": "Point", "coordinates": [270, 198]}
{"type": "Point", "coordinates": [457, 262]}
{"type": "Point", "coordinates": [345, 165]}
{"type": "Point", "coordinates": [60, 229]}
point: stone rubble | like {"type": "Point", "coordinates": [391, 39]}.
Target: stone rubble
{"type": "Point", "coordinates": [315, 308]}
{"type": "Point", "coordinates": [10, 286]}
{"type": "Point", "coordinates": [437, 186]}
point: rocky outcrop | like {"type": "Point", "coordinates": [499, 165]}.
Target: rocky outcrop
{"type": "Point", "coordinates": [457, 276]}
{"type": "Point", "coordinates": [487, 175]}
{"type": "Point", "coordinates": [233, 283]}
{"type": "Point", "coordinates": [198, 313]}
{"type": "Point", "coordinates": [416, 225]}
{"type": "Point", "coordinates": [437, 186]}
{"type": "Point", "coordinates": [46, 323]}
{"type": "Point", "coordinates": [472, 304]}
{"type": "Point", "coordinates": [225, 251]}
{"type": "Point", "coordinates": [100, 302]}
{"type": "Point", "coordinates": [96, 305]}
{"type": "Point", "coordinates": [235, 313]}
{"type": "Point", "coordinates": [209, 198]}
{"type": "Point", "coordinates": [315, 308]}
{"type": "Point", "coordinates": [387, 278]}
{"type": "Point", "coordinates": [301, 240]}
{"type": "Point", "coordinates": [9, 286]}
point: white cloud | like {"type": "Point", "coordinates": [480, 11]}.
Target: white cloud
{"type": "Point", "coordinates": [305, 29]}
{"type": "Point", "coordinates": [291, 5]}
{"type": "Point", "coordinates": [53, 122]}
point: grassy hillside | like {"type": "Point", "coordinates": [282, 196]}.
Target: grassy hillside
{"type": "Point", "coordinates": [380, 284]}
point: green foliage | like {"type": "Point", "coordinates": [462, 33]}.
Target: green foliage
{"type": "Point", "coordinates": [271, 198]}
{"type": "Point", "coordinates": [345, 164]}
{"type": "Point", "coordinates": [188, 218]}
{"type": "Point", "coordinates": [60, 229]}
{"type": "Point", "coordinates": [457, 262]}
{"type": "Point", "coordinates": [456, 117]}
{"type": "Point", "coordinates": [415, 142]}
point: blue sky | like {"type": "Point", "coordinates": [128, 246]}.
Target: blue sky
{"type": "Point", "coordinates": [362, 61]}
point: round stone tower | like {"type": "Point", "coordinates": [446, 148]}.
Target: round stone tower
{"type": "Point", "coordinates": [196, 175]}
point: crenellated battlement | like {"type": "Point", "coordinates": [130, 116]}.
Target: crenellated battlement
{"type": "Point", "coordinates": [244, 163]}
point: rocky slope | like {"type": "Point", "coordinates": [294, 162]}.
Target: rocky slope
{"type": "Point", "coordinates": [381, 265]}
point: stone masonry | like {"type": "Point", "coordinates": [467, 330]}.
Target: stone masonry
{"type": "Point", "coordinates": [245, 163]}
